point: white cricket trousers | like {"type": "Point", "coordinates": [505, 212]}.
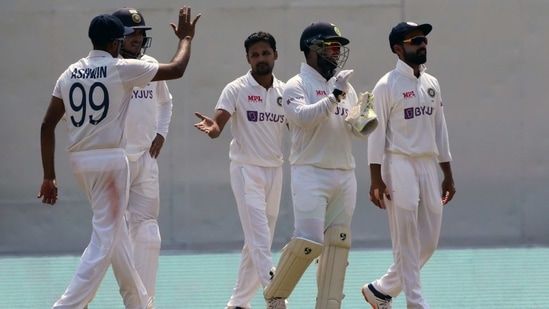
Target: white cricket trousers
{"type": "Point", "coordinates": [415, 217]}
{"type": "Point", "coordinates": [103, 175]}
{"type": "Point", "coordinates": [257, 192]}
{"type": "Point", "coordinates": [142, 219]}
{"type": "Point", "coordinates": [322, 198]}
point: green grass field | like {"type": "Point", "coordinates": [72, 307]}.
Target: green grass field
{"type": "Point", "coordinates": [453, 278]}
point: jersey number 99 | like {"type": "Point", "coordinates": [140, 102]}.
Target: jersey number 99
{"type": "Point", "coordinates": [81, 106]}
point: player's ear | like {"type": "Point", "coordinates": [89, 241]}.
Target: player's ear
{"type": "Point", "coordinates": [398, 49]}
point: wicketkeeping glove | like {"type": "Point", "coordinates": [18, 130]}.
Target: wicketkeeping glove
{"type": "Point", "coordinates": [342, 80]}
{"type": "Point", "coordinates": [362, 116]}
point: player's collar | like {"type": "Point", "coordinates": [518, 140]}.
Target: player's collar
{"type": "Point", "coordinates": [310, 71]}
{"type": "Point", "coordinates": [99, 53]}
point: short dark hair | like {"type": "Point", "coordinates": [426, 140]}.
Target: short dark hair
{"type": "Point", "coordinates": [260, 37]}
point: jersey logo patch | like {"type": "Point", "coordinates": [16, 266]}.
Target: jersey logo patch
{"type": "Point", "coordinates": [409, 94]}
{"type": "Point", "coordinates": [412, 112]}
{"type": "Point", "coordinates": [142, 94]}
{"type": "Point", "coordinates": [321, 93]}
{"type": "Point", "coordinates": [290, 100]}
{"type": "Point", "coordinates": [255, 116]}
{"type": "Point", "coordinates": [255, 99]}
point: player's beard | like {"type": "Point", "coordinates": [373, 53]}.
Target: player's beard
{"type": "Point", "coordinates": [327, 67]}
{"type": "Point", "coordinates": [263, 68]}
{"type": "Point", "coordinates": [415, 57]}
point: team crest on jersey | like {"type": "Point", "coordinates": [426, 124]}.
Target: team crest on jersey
{"type": "Point", "coordinates": [431, 92]}
{"type": "Point", "coordinates": [279, 101]}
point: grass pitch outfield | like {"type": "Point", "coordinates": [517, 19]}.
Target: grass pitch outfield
{"type": "Point", "coordinates": [453, 278]}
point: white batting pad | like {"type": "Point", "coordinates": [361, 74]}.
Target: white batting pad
{"type": "Point", "coordinates": [331, 267]}
{"type": "Point", "coordinates": [297, 255]}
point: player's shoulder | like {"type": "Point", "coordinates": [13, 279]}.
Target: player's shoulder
{"type": "Point", "coordinates": [296, 79]}
{"type": "Point", "coordinates": [277, 83]}
{"type": "Point", "coordinates": [238, 82]}
{"type": "Point", "coordinates": [430, 77]}
{"type": "Point", "coordinates": [148, 58]}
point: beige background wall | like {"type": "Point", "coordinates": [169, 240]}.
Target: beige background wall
{"type": "Point", "coordinates": [488, 55]}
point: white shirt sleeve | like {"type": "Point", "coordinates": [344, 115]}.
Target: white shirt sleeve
{"type": "Point", "coordinates": [298, 111]}
{"type": "Point", "coordinates": [377, 140]}
{"type": "Point", "coordinates": [164, 106]}
{"type": "Point", "coordinates": [441, 136]}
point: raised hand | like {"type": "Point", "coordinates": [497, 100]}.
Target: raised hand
{"type": "Point", "coordinates": [342, 80]}
{"type": "Point", "coordinates": [185, 27]}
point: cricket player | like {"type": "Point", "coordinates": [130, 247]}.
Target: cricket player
{"type": "Point", "coordinates": [323, 183]}
{"type": "Point", "coordinates": [253, 103]}
{"type": "Point", "coordinates": [403, 154]}
{"type": "Point", "coordinates": [147, 124]}
{"type": "Point", "coordinates": [94, 94]}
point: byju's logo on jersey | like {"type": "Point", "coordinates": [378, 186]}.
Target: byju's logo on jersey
{"type": "Point", "coordinates": [142, 94]}
{"type": "Point", "coordinates": [255, 116]}
{"type": "Point", "coordinates": [255, 99]}
{"type": "Point", "coordinates": [412, 112]}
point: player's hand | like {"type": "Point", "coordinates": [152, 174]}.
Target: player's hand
{"type": "Point", "coordinates": [156, 145]}
{"type": "Point", "coordinates": [378, 193]}
{"type": "Point", "coordinates": [448, 190]}
{"type": "Point", "coordinates": [185, 27]}
{"type": "Point", "coordinates": [207, 125]}
{"type": "Point", "coordinates": [342, 80]}
{"type": "Point", "coordinates": [48, 191]}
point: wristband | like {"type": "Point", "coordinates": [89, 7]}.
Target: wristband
{"type": "Point", "coordinates": [333, 99]}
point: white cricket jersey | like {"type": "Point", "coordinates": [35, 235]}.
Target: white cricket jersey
{"type": "Point", "coordinates": [149, 113]}
{"type": "Point", "coordinates": [257, 121]}
{"type": "Point", "coordinates": [411, 116]}
{"type": "Point", "coordinates": [96, 92]}
{"type": "Point", "coordinates": [320, 136]}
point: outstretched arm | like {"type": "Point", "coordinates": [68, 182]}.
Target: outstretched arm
{"type": "Point", "coordinates": [213, 127]}
{"type": "Point", "coordinates": [185, 32]}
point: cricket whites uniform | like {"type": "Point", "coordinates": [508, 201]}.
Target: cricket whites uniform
{"type": "Point", "coordinates": [96, 92]}
{"type": "Point", "coordinates": [257, 125]}
{"type": "Point", "coordinates": [410, 141]}
{"type": "Point", "coordinates": [323, 179]}
{"type": "Point", "coordinates": [149, 113]}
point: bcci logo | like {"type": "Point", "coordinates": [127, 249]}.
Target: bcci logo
{"type": "Point", "coordinates": [336, 30]}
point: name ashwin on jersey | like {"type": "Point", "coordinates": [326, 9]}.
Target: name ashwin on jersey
{"type": "Point", "coordinates": [94, 73]}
